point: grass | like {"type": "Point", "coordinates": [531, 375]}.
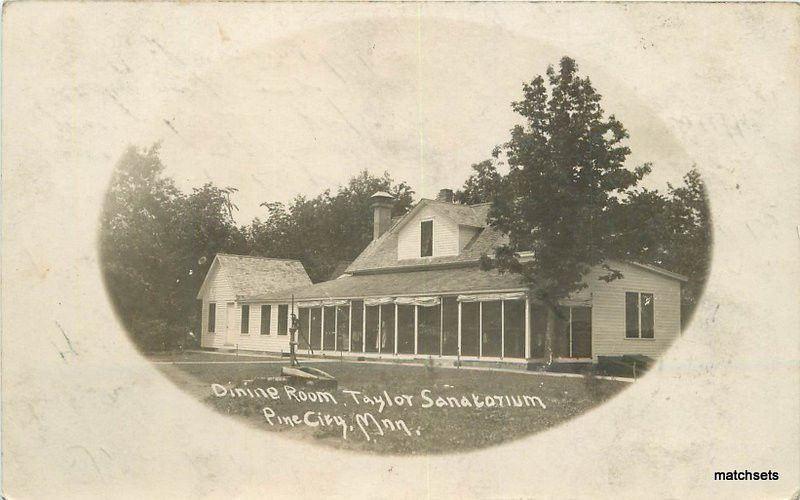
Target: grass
{"type": "Point", "coordinates": [430, 430]}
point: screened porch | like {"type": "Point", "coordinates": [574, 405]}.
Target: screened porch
{"type": "Point", "coordinates": [500, 326]}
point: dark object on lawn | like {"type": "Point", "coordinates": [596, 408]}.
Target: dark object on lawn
{"type": "Point", "coordinates": [628, 365]}
{"type": "Point", "coordinates": [308, 375]}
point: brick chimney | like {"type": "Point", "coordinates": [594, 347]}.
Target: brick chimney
{"type": "Point", "coordinates": [445, 195]}
{"type": "Point", "coordinates": [382, 203]}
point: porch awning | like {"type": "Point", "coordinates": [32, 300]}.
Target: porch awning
{"type": "Point", "coordinates": [486, 297]}
{"type": "Point", "coordinates": [418, 301]}
{"type": "Point", "coordinates": [379, 301]}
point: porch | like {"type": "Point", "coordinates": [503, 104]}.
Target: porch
{"type": "Point", "coordinates": [505, 326]}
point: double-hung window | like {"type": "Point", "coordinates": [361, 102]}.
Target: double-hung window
{"type": "Point", "coordinates": [245, 318]}
{"type": "Point", "coordinates": [639, 315]}
{"type": "Point", "coordinates": [283, 319]}
{"type": "Point", "coordinates": [212, 317]}
{"type": "Point", "coordinates": [266, 315]}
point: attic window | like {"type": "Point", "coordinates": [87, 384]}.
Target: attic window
{"type": "Point", "coordinates": [426, 238]}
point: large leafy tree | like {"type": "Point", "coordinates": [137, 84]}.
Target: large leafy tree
{"type": "Point", "coordinates": [671, 230]}
{"type": "Point", "coordinates": [326, 230]}
{"type": "Point", "coordinates": [566, 175]}
{"type": "Point", "coordinates": [156, 244]}
{"type": "Point", "coordinates": [483, 185]}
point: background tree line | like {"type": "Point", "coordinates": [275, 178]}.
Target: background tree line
{"type": "Point", "coordinates": [566, 194]}
{"type": "Point", "coordinates": [157, 242]}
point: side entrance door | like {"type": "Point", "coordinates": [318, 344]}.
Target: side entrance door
{"type": "Point", "coordinates": [230, 315]}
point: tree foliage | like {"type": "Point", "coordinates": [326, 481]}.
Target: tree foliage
{"type": "Point", "coordinates": [566, 174]}
{"type": "Point", "coordinates": [327, 229]}
{"type": "Point", "coordinates": [671, 230]}
{"type": "Point", "coordinates": [570, 199]}
{"type": "Point", "coordinates": [482, 186]}
{"type": "Point", "coordinates": [157, 243]}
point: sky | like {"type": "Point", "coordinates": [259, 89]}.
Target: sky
{"type": "Point", "coordinates": [421, 98]}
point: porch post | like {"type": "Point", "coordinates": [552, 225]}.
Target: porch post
{"type": "Point", "coordinates": [570, 331]}
{"type": "Point", "coordinates": [395, 328]}
{"type": "Point", "coordinates": [322, 329]}
{"type": "Point", "coordinates": [527, 327]}
{"type": "Point", "coordinates": [459, 328]}
{"type": "Point", "coordinates": [502, 329]}
{"type": "Point", "coordinates": [380, 329]}
{"type": "Point", "coordinates": [441, 324]}
{"type": "Point", "coordinates": [480, 329]}
{"type": "Point", "coordinates": [335, 328]}
{"type": "Point", "coordinates": [350, 326]}
{"type": "Point", "coordinates": [416, 329]}
{"type": "Point", "coordinates": [364, 327]}
{"type": "Point", "coordinates": [308, 340]}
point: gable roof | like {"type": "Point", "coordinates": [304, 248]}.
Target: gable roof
{"type": "Point", "coordinates": [382, 252]}
{"type": "Point", "coordinates": [251, 275]}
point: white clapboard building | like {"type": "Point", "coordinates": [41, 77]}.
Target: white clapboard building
{"type": "Point", "coordinates": [417, 291]}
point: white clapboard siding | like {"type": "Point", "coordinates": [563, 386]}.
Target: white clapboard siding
{"type": "Point", "coordinates": [608, 311]}
{"type": "Point", "coordinates": [220, 292]}
{"type": "Point", "coordinates": [254, 340]}
{"type": "Point", "coordinates": [445, 235]}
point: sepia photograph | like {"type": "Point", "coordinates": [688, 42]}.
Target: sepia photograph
{"type": "Point", "coordinates": [445, 250]}
{"type": "Point", "coordinates": [551, 258]}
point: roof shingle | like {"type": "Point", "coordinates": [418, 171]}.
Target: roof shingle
{"type": "Point", "coordinates": [403, 283]}
{"type": "Point", "coordinates": [251, 275]}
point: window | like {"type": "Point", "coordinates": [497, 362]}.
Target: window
{"type": "Point", "coordinates": [387, 328]}
{"type": "Point", "coordinates": [538, 326]}
{"type": "Point", "coordinates": [315, 335]}
{"type": "Point", "coordinates": [514, 326]}
{"type": "Point", "coordinates": [491, 329]}
{"type": "Point", "coordinates": [343, 328]}
{"type": "Point", "coordinates": [212, 317]}
{"type": "Point", "coordinates": [405, 329]}
{"type": "Point", "coordinates": [573, 337]}
{"type": "Point", "coordinates": [245, 318]}
{"type": "Point", "coordinates": [329, 329]}
{"type": "Point", "coordinates": [639, 315]}
{"type": "Point", "coordinates": [303, 339]}
{"type": "Point", "coordinates": [647, 316]}
{"type": "Point", "coordinates": [266, 315]}
{"type": "Point", "coordinates": [358, 325]}
{"type": "Point", "coordinates": [371, 334]}
{"type": "Point", "coordinates": [429, 329]}
{"type": "Point", "coordinates": [470, 328]}
{"type": "Point", "coordinates": [283, 319]}
{"type": "Point", "coordinates": [450, 326]}
{"type": "Point", "coordinates": [426, 238]}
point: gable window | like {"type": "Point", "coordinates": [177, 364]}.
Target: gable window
{"type": "Point", "coordinates": [639, 315]}
{"type": "Point", "coordinates": [245, 318]}
{"type": "Point", "coordinates": [426, 238]}
{"type": "Point", "coordinates": [212, 317]}
{"type": "Point", "coordinates": [283, 319]}
{"type": "Point", "coordinates": [266, 315]}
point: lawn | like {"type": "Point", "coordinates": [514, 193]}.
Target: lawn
{"type": "Point", "coordinates": [404, 409]}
